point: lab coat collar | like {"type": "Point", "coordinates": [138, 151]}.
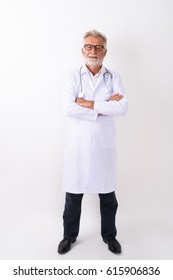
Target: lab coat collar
{"type": "Point", "coordinates": [85, 70]}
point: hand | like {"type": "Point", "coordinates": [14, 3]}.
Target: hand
{"type": "Point", "coordinates": [116, 97]}
{"type": "Point", "coordinates": [80, 101]}
{"type": "Point", "coordinates": [85, 103]}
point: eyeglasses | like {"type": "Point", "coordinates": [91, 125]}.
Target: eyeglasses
{"type": "Point", "coordinates": [89, 47]}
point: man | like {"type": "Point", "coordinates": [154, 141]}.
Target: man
{"type": "Point", "coordinates": [93, 96]}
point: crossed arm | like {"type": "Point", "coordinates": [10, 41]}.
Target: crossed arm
{"type": "Point", "coordinates": [90, 104]}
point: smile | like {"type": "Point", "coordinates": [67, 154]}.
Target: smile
{"type": "Point", "coordinates": [93, 57]}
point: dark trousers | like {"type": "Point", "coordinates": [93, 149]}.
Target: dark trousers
{"type": "Point", "coordinates": [72, 213]}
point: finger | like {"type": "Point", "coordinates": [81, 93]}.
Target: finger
{"type": "Point", "coordinates": [116, 97]}
{"type": "Point", "coordinates": [119, 96]}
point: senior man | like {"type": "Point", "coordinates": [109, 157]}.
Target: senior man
{"type": "Point", "coordinates": [93, 98]}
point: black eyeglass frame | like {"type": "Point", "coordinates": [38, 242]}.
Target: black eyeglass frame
{"type": "Point", "coordinates": [96, 47]}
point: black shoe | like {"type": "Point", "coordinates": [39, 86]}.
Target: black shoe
{"type": "Point", "coordinates": [113, 245]}
{"type": "Point", "coordinates": [65, 245]}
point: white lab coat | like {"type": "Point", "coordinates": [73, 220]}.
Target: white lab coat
{"type": "Point", "coordinates": [90, 150]}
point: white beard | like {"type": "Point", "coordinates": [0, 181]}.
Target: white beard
{"type": "Point", "coordinates": [93, 62]}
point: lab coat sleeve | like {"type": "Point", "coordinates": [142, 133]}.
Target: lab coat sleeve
{"type": "Point", "coordinates": [113, 108]}
{"type": "Point", "coordinates": [70, 92]}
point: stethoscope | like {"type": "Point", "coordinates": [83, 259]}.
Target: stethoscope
{"type": "Point", "coordinates": [106, 74]}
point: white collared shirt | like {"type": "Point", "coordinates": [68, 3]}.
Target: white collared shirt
{"type": "Point", "coordinates": [94, 78]}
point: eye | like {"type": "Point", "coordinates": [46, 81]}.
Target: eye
{"type": "Point", "coordinates": [99, 48]}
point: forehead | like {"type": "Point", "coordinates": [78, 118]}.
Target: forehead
{"type": "Point", "coordinates": [94, 40]}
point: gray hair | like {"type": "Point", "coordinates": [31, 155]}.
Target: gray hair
{"type": "Point", "coordinates": [95, 33]}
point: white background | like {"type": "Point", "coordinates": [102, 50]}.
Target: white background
{"type": "Point", "coordinates": [39, 41]}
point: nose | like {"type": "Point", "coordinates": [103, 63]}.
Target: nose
{"type": "Point", "coordinates": [93, 50]}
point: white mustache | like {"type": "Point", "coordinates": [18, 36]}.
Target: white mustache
{"type": "Point", "coordinates": [93, 56]}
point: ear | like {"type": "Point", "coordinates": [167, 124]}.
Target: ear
{"type": "Point", "coordinates": [105, 52]}
{"type": "Point", "coordinates": [82, 50]}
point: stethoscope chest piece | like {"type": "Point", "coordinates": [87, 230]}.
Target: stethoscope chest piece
{"type": "Point", "coordinates": [80, 94]}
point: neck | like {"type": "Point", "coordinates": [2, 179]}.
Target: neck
{"type": "Point", "coordinates": [94, 69]}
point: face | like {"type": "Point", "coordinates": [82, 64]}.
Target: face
{"type": "Point", "coordinates": [94, 57]}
